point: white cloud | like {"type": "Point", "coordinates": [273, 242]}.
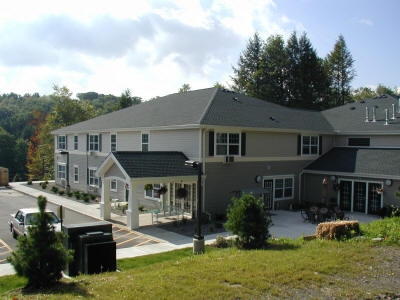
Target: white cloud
{"type": "Point", "coordinates": [366, 22]}
{"type": "Point", "coordinates": [151, 47]}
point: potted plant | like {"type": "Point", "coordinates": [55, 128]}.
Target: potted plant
{"type": "Point", "coordinates": [163, 190]}
{"type": "Point", "coordinates": [379, 190]}
{"type": "Point", "coordinates": [181, 193]}
{"type": "Point", "coordinates": [148, 186]}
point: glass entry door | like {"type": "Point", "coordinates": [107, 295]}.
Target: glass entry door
{"type": "Point", "coordinates": [268, 194]}
{"type": "Point", "coordinates": [374, 198]}
{"type": "Point", "coordinates": [345, 195]}
{"type": "Point", "coordinates": [360, 195]}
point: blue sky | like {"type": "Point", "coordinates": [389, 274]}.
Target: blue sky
{"type": "Point", "coordinates": [153, 47]}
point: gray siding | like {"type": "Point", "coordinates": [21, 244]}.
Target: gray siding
{"type": "Point", "coordinates": [223, 181]}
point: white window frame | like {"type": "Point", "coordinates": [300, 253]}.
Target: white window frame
{"type": "Point", "coordinates": [61, 171]}
{"type": "Point", "coordinates": [93, 144]}
{"type": "Point", "coordinates": [310, 145]}
{"type": "Point", "coordinates": [145, 144]}
{"type": "Point", "coordinates": [153, 194]}
{"type": "Point", "coordinates": [227, 144]}
{"type": "Point", "coordinates": [93, 180]}
{"type": "Point", "coordinates": [113, 145]}
{"type": "Point", "coordinates": [76, 142]}
{"type": "Point", "coordinates": [76, 174]}
{"type": "Point", "coordinates": [113, 185]}
{"type": "Point", "coordinates": [62, 142]}
{"type": "Point", "coordinates": [285, 179]}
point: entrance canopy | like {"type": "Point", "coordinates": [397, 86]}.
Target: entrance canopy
{"type": "Point", "coordinates": [137, 169]}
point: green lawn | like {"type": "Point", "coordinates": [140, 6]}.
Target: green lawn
{"type": "Point", "coordinates": [292, 269]}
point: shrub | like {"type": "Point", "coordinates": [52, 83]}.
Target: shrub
{"type": "Point", "coordinates": [61, 192]}
{"type": "Point", "coordinates": [92, 196]}
{"type": "Point", "coordinates": [387, 228]}
{"type": "Point", "coordinates": [85, 197]}
{"type": "Point", "coordinates": [41, 256]}
{"type": "Point", "coordinates": [247, 219]}
{"type": "Point", "coordinates": [69, 194]}
{"type": "Point", "coordinates": [54, 189]}
{"type": "Point", "coordinates": [30, 182]}
{"type": "Point", "coordinates": [141, 208]}
{"type": "Point", "coordinates": [43, 184]}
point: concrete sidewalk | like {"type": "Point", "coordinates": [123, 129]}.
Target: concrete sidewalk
{"type": "Point", "coordinates": [284, 224]}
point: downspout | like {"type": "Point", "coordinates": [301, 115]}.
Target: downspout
{"type": "Point", "coordinates": [203, 160]}
{"type": "Point", "coordinates": [300, 176]}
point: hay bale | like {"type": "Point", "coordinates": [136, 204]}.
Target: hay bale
{"type": "Point", "coordinates": [337, 229]}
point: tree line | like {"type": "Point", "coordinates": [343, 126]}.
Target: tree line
{"type": "Point", "coordinates": [26, 145]}
{"type": "Point", "coordinates": [291, 73]}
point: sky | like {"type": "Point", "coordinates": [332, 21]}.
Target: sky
{"type": "Point", "coordinates": [153, 47]}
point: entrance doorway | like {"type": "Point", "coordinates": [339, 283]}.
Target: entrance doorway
{"type": "Point", "coordinates": [360, 196]}
{"type": "Point", "coordinates": [268, 195]}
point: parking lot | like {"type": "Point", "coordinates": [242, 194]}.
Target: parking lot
{"type": "Point", "coordinates": [11, 201]}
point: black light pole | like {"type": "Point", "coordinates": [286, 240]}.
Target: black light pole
{"type": "Point", "coordinates": [198, 238]}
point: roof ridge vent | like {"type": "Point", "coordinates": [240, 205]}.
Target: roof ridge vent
{"type": "Point", "coordinates": [366, 115]}
{"type": "Point", "coordinates": [386, 116]}
{"type": "Point", "coordinates": [393, 115]}
{"type": "Point", "coordinates": [373, 114]}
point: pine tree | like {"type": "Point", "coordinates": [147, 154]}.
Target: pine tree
{"type": "Point", "coordinates": [41, 256]}
{"type": "Point", "coordinates": [339, 65]}
{"type": "Point", "coordinates": [247, 77]}
{"type": "Point", "coordinates": [274, 70]}
{"type": "Point", "coordinates": [247, 218]}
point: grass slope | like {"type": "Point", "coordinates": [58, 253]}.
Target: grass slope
{"type": "Point", "coordinates": [292, 269]}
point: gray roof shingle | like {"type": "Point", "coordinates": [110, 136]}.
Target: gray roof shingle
{"type": "Point", "coordinates": [371, 161]}
{"type": "Point", "coordinates": [351, 117]}
{"type": "Point", "coordinates": [153, 164]}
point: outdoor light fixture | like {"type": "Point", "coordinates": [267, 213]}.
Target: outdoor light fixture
{"type": "Point", "coordinates": [198, 238]}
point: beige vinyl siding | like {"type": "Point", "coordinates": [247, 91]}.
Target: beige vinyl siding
{"type": "Point", "coordinates": [271, 144]}
{"type": "Point", "coordinates": [185, 140]}
{"type": "Point", "coordinates": [129, 141]}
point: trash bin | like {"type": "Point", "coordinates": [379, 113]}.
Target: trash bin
{"type": "Point", "coordinates": [94, 248]}
{"type": "Point", "coordinates": [3, 176]}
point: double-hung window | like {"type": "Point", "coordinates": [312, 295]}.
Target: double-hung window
{"type": "Point", "coordinates": [61, 171]}
{"type": "Point", "coordinates": [227, 144]}
{"type": "Point", "coordinates": [283, 188]}
{"type": "Point", "coordinates": [113, 185]}
{"type": "Point", "coordinates": [310, 145]}
{"type": "Point", "coordinates": [75, 142]}
{"type": "Point", "coordinates": [93, 180]}
{"type": "Point", "coordinates": [145, 142]}
{"type": "Point", "coordinates": [153, 193]}
{"type": "Point", "coordinates": [94, 142]}
{"type": "Point", "coordinates": [62, 142]}
{"type": "Point", "coordinates": [113, 142]}
{"type": "Point", "coordinates": [76, 174]}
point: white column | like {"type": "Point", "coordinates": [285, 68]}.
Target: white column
{"type": "Point", "coordinates": [132, 213]}
{"type": "Point", "coordinates": [105, 203]}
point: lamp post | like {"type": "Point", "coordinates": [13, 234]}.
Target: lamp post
{"type": "Point", "coordinates": [198, 238]}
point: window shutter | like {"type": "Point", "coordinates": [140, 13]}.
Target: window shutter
{"type": "Point", "coordinates": [299, 144]}
{"type": "Point", "coordinates": [243, 145]}
{"type": "Point", "coordinates": [211, 143]}
{"type": "Point", "coordinates": [66, 142]}
{"type": "Point", "coordinates": [87, 142]}
{"type": "Point", "coordinates": [320, 144]}
{"type": "Point", "coordinates": [100, 143]}
{"type": "Point", "coordinates": [87, 176]}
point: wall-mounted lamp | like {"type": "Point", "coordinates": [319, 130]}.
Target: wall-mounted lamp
{"type": "Point", "coordinates": [388, 182]}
